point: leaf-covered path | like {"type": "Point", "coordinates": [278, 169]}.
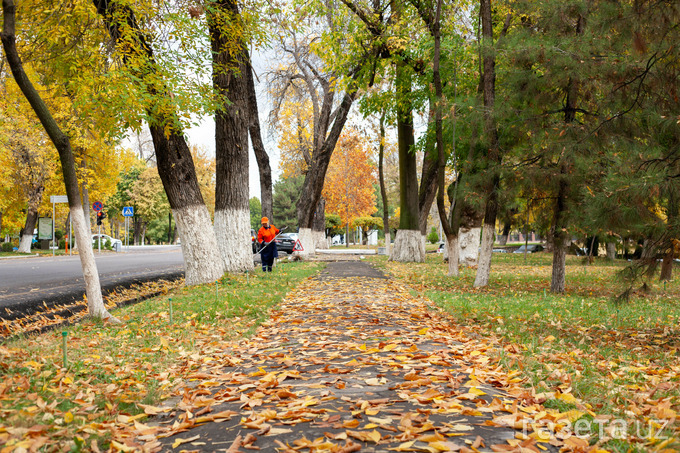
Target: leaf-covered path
{"type": "Point", "coordinates": [352, 361]}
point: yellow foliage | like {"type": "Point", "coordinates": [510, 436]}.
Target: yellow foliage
{"type": "Point", "coordinates": [348, 188]}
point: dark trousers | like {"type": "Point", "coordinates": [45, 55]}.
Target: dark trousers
{"type": "Point", "coordinates": [268, 254]}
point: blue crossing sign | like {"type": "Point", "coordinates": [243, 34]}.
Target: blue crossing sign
{"type": "Point", "coordinates": [128, 211]}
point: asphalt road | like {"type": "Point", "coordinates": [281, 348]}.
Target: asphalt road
{"type": "Point", "coordinates": [27, 282]}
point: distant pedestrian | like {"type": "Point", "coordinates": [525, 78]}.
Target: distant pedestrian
{"type": "Point", "coordinates": [268, 249]}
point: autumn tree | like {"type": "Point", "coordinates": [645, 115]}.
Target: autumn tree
{"type": "Point", "coordinates": [203, 262]}
{"type": "Point", "coordinates": [95, 302]}
{"type": "Point", "coordinates": [330, 67]}
{"type": "Point", "coordinates": [348, 188]}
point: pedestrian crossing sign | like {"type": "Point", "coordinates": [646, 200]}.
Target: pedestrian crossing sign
{"type": "Point", "coordinates": [128, 211]}
{"type": "Point", "coordinates": [298, 246]}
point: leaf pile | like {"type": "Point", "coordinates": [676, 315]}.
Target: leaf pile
{"type": "Point", "coordinates": [51, 316]}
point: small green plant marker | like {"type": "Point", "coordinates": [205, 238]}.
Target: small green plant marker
{"type": "Point", "coordinates": [170, 305]}
{"type": "Point", "coordinates": [63, 347]}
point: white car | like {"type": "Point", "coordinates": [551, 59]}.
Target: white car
{"type": "Point", "coordinates": [104, 238]}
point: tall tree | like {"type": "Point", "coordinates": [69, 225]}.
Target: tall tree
{"type": "Point", "coordinates": [202, 260]}
{"type": "Point", "coordinates": [232, 121]}
{"type": "Point", "coordinates": [492, 143]}
{"type": "Point", "coordinates": [95, 301]}
{"type": "Point", "coordinates": [331, 86]}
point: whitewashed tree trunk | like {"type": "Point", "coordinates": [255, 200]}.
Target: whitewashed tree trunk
{"type": "Point", "coordinates": [468, 246]}
{"type": "Point", "coordinates": [306, 238]}
{"type": "Point", "coordinates": [320, 240]}
{"type": "Point", "coordinates": [388, 243]}
{"type": "Point", "coordinates": [452, 249]}
{"type": "Point", "coordinates": [484, 266]}
{"type": "Point", "coordinates": [202, 260]}
{"type": "Point", "coordinates": [95, 301]}
{"type": "Point", "coordinates": [423, 241]}
{"type": "Point", "coordinates": [25, 243]}
{"type": "Point", "coordinates": [408, 247]}
{"type": "Point", "coordinates": [232, 229]}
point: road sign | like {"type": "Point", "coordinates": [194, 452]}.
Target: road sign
{"type": "Point", "coordinates": [128, 211]}
{"type": "Point", "coordinates": [58, 199]}
{"type": "Point", "coordinates": [97, 206]}
{"type": "Point", "coordinates": [298, 246]}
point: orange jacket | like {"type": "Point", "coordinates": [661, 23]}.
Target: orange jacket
{"type": "Point", "coordinates": [267, 234]}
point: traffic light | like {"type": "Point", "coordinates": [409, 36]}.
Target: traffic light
{"type": "Point", "coordinates": [100, 216]}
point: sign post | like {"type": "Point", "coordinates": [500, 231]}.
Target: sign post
{"type": "Point", "coordinates": [98, 206]}
{"type": "Point", "coordinates": [128, 211]}
{"type": "Point", "coordinates": [54, 199]}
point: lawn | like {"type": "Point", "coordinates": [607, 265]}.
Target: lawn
{"type": "Point", "coordinates": [113, 371]}
{"type": "Point", "coordinates": [619, 360]}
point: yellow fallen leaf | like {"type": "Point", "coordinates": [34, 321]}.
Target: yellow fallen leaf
{"type": "Point", "coordinates": [406, 446]}
{"type": "Point", "coordinates": [179, 442]}
{"type": "Point", "coordinates": [476, 391]}
{"type": "Point", "coordinates": [389, 347]}
{"type": "Point", "coordinates": [567, 398]}
{"type": "Point", "coordinates": [375, 436]}
{"type": "Point", "coordinates": [68, 417]}
{"type": "Point", "coordinates": [423, 331]}
{"type": "Point", "coordinates": [122, 447]}
{"type": "Point", "coordinates": [549, 338]}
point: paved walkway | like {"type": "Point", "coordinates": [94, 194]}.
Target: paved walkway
{"type": "Point", "coordinates": [350, 361]}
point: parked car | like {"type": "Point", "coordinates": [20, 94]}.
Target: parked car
{"type": "Point", "coordinates": [286, 242]}
{"type": "Point", "coordinates": [531, 248]}
{"type": "Point", "coordinates": [104, 238]}
{"type": "Point", "coordinates": [499, 250]}
{"type": "Point", "coordinates": [440, 249]}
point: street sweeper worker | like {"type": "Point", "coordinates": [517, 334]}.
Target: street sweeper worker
{"type": "Point", "coordinates": [268, 249]}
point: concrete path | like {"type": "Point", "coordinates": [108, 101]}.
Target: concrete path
{"type": "Point", "coordinates": [350, 361]}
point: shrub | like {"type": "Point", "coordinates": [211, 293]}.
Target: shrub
{"type": "Point", "coordinates": [433, 237]}
{"type": "Point", "coordinates": [7, 246]}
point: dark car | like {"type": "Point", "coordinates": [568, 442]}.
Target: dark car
{"type": "Point", "coordinates": [531, 248]}
{"type": "Point", "coordinates": [286, 242]}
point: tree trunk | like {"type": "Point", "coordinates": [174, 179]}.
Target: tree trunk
{"type": "Point", "coordinates": [202, 260]}
{"type": "Point", "coordinates": [408, 246]}
{"type": "Point", "coordinates": [95, 303]}
{"type": "Point", "coordinates": [383, 190]}
{"type": "Point", "coordinates": [611, 251]}
{"type": "Point", "coordinates": [230, 69]}
{"type": "Point", "coordinates": [86, 200]}
{"type": "Point", "coordinates": [560, 238]}
{"type": "Point", "coordinates": [319, 225]}
{"type": "Point", "coordinates": [503, 240]}
{"type": "Point", "coordinates": [27, 231]}
{"type": "Point", "coordinates": [34, 200]}
{"type": "Point", "coordinates": [428, 179]}
{"type": "Point", "coordinates": [452, 248]}
{"type": "Point", "coordinates": [671, 218]}
{"type": "Point", "coordinates": [468, 245]}
{"type": "Point", "coordinates": [314, 178]}
{"type": "Point", "coordinates": [493, 157]}
{"type": "Point", "coordinates": [266, 197]}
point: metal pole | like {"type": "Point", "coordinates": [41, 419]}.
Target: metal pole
{"type": "Point", "coordinates": [70, 235]}
{"type": "Point", "coordinates": [53, 216]}
{"type": "Point", "coordinates": [99, 230]}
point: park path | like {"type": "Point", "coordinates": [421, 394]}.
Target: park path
{"type": "Point", "coordinates": [351, 361]}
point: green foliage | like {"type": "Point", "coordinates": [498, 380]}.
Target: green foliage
{"type": "Point", "coordinates": [286, 195]}
{"type": "Point", "coordinates": [433, 236]}
{"type": "Point", "coordinates": [7, 246]}
{"type": "Point", "coordinates": [255, 213]}
{"type": "Point", "coordinates": [333, 225]}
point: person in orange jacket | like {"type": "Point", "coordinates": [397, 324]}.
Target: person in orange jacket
{"type": "Point", "coordinates": [268, 249]}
